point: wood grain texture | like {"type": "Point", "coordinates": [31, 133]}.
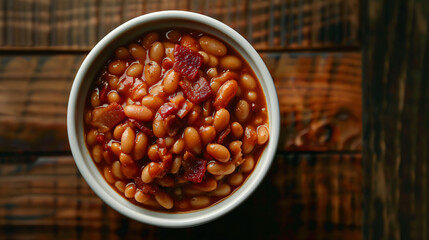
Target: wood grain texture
{"type": "Point", "coordinates": [396, 119]}
{"type": "Point", "coordinates": [273, 24]}
{"type": "Point", "coordinates": [304, 196]}
{"type": "Point", "coordinates": [319, 94]}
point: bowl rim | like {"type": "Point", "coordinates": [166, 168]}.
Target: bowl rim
{"type": "Point", "coordinates": [193, 218]}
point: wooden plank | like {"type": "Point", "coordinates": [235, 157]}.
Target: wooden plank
{"type": "Point", "coordinates": [303, 196]}
{"type": "Point", "coordinates": [319, 94]}
{"type": "Point", "coordinates": [396, 119]}
{"type": "Point", "coordinates": [267, 24]}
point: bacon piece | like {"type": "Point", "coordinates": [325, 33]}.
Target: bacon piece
{"type": "Point", "coordinates": [185, 109]}
{"type": "Point", "coordinates": [167, 109]}
{"type": "Point", "coordinates": [194, 168]}
{"type": "Point", "coordinates": [142, 128]}
{"type": "Point", "coordinates": [105, 118]}
{"type": "Point", "coordinates": [104, 90]}
{"type": "Point", "coordinates": [223, 135]}
{"type": "Point", "coordinates": [187, 61]}
{"type": "Point", "coordinates": [147, 188]}
{"type": "Point", "coordinates": [198, 91]}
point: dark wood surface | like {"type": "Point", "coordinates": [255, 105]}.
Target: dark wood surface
{"type": "Point", "coordinates": [396, 119]}
{"type": "Point", "coordinates": [314, 189]}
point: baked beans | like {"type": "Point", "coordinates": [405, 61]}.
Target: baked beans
{"type": "Point", "coordinates": [176, 121]}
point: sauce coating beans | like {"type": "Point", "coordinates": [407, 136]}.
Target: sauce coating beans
{"type": "Point", "coordinates": [176, 121]}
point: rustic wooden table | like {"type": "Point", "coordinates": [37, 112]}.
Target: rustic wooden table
{"type": "Point", "coordinates": [314, 51]}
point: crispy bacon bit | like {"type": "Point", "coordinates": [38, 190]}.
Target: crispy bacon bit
{"type": "Point", "coordinates": [167, 161]}
{"type": "Point", "coordinates": [185, 109]}
{"type": "Point", "coordinates": [167, 109]}
{"type": "Point", "coordinates": [187, 62]}
{"type": "Point", "coordinates": [194, 168]}
{"type": "Point", "coordinates": [142, 127]}
{"type": "Point", "coordinates": [198, 91]}
{"type": "Point", "coordinates": [104, 90]}
{"type": "Point", "coordinates": [147, 188]}
{"type": "Point", "coordinates": [105, 118]}
{"type": "Point", "coordinates": [223, 135]}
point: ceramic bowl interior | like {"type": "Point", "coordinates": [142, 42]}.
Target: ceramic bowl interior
{"type": "Point", "coordinates": [98, 57]}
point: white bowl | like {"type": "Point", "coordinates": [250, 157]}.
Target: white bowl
{"type": "Point", "coordinates": [98, 57]}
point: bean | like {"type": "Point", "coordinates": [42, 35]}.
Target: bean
{"type": "Point", "coordinates": [177, 163]}
{"type": "Point", "coordinates": [218, 177]}
{"type": "Point", "coordinates": [152, 102]}
{"type": "Point", "coordinates": [116, 170]}
{"type": "Point", "coordinates": [113, 82]}
{"type": "Point", "coordinates": [219, 152]}
{"type": "Point", "coordinates": [213, 61]}
{"type": "Point", "coordinates": [173, 36]}
{"type": "Point", "coordinates": [217, 168]}
{"type": "Point", "coordinates": [171, 81]}
{"type": "Point", "coordinates": [137, 52]}
{"type": "Point", "coordinates": [166, 181]}
{"type": "Point", "coordinates": [126, 159]}
{"type": "Point", "coordinates": [130, 190]}
{"type": "Point", "coordinates": [212, 72]}
{"type": "Point", "coordinates": [156, 52]}
{"type": "Point", "coordinates": [249, 139]}
{"type": "Point", "coordinates": [258, 120]}
{"type": "Point", "coordinates": [235, 179]}
{"type": "Point", "coordinates": [263, 134]}
{"type": "Point", "coordinates": [141, 197]}
{"type": "Point", "coordinates": [190, 42]}
{"type": "Point", "coordinates": [207, 185]}
{"type": "Point", "coordinates": [226, 92]}
{"type": "Point", "coordinates": [119, 129]}
{"type": "Point", "coordinates": [113, 96]}
{"type": "Point", "coordinates": [135, 70]}
{"type": "Point", "coordinates": [127, 140]}
{"type": "Point", "coordinates": [182, 204]}
{"type": "Point", "coordinates": [120, 185]}
{"type": "Point", "coordinates": [139, 92]}
{"type": "Point", "coordinates": [95, 99]}
{"type": "Point", "coordinates": [235, 147]}
{"type": "Point", "coordinates": [107, 156]}
{"type": "Point", "coordinates": [149, 39]}
{"type": "Point", "coordinates": [97, 153]}
{"type": "Point", "coordinates": [230, 62]}
{"type": "Point", "coordinates": [164, 199]}
{"type": "Point", "coordinates": [247, 81]}
{"type": "Point", "coordinates": [208, 134]}
{"type": "Point", "coordinates": [200, 201]}
{"type": "Point", "coordinates": [205, 56]}
{"type": "Point", "coordinates": [158, 127]}
{"type": "Point", "coordinates": [122, 53]}
{"type": "Point", "coordinates": [221, 119]}
{"type": "Point", "coordinates": [88, 117]}
{"type": "Point", "coordinates": [152, 153]}
{"type": "Point", "coordinates": [252, 96]}
{"type": "Point", "coordinates": [141, 113]}
{"type": "Point", "coordinates": [152, 73]}
{"type": "Point", "coordinates": [130, 170]}
{"type": "Point", "coordinates": [158, 91]}
{"type": "Point", "coordinates": [145, 176]}
{"type": "Point", "coordinates": [208, 120]}
{"type": "Point", "coordinates": [117, 67]}
{"type": "Point", "coordinates": [192, 140]}
{"type": "Point", "coordinates": [116, 148]}
{"type": "Point", "coordinates": [140, 146]}
{"type": "Point", "coordinates": [151, 203]}
{"type": "Point", "coordinates": [236, 130]}
{"type": "Point", "coordinates": [248, 164]}
{"type": "Point", "coordinates": [169, 141]}
{"type": "Point", "coordinates": [242, 111]}
{"type": "Point", "coordinates": [178, 146]}
{"type": "Point", "coordinates": [108, 175]}
{"type": "Point", "coordinates": [91, 137]}
{"type": "Point", "coordinates": [212, 46]}
{"type": "Point", "coordinates": [222, 190]}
